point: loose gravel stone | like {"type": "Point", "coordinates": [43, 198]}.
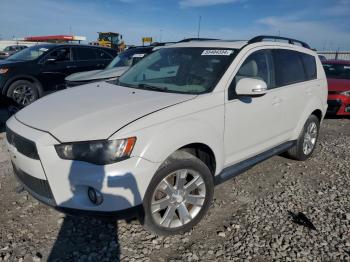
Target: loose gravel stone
{"type": "Point", "coordinates": [248, 221]}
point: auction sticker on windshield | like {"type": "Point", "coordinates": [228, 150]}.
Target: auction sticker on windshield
{"type": "Point", "coordinates": [217, 52]}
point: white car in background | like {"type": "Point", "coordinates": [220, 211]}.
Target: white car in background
{"type": "Point", "coordinates": [185, 118]}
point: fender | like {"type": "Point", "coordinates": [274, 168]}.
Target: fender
{"type": "Point", "coordinates": [157, 151]}
{"type": "Point", "coordinates": [22, 77]}
{"type": "Point", "coordinates": [159, 135]}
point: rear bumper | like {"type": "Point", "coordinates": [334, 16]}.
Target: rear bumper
{"type": "Point", "coordinates": [338, 105]}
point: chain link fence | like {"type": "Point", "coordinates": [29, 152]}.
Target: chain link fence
{"type": "Point", "coordinates": [337, 55]}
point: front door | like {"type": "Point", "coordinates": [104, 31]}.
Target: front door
{"type": "Point", "coordinates": [55, 67]}
{"type": "Point", "coordinates": [251, 123]}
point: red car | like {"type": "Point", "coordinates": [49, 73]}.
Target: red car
{"type": "Point", "coordinates": [338, 76]}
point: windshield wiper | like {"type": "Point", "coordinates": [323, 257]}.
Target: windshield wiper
{"type": "Point", "coordinates": [150, 87]}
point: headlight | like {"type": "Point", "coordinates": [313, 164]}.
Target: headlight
{"type": "Point", "coordinates": [345, 93]}
{"type": "Point", "coordinates": [3, 70]}
{"type": "Point", "coordinates": [100, 152]}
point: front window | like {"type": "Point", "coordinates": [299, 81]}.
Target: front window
{"type": "Point", "coordinates": [30, 53]}
{"type": "Point", "coordinates": [337, 71]}
{"type": "Point", "coordinates": [180, 70]}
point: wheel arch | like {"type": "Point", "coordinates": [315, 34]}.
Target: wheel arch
{"type": "Point", "coordinates": [29, 78]}
{"type": "Point", "coordinates": [313, 108]}
{"type": "Point", "coordinates": [203, 152]}
{"type": "Point", "coordinates": [318, 114]}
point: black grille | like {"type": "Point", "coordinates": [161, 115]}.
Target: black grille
{"type": "Point", "coordinates": [333, 106]}
{"type": "Point", "coordinates": [37, 187]}
{"type": "Point", "coordinates": [23, 145]}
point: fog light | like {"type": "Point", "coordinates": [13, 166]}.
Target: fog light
{"type": "Point", "coordinates": [95, 196]}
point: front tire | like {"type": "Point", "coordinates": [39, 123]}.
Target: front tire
{"type": "Point", "coordinates": [307, 140]}
{"type": "Point", "coordinates": [23, 92]}
{"type": "Point", "coordinates": [178, 196]}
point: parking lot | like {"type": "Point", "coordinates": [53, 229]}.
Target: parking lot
{"type": "Point", "coordinates": [249, 218]}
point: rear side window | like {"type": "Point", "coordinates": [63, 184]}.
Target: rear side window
{"type": "Point", "coordinates": [100, 54]}
{"type": "Point", "coordinates": [289, 67]}
{"type": "Point", "coordinates": [82, 53]}
{"type": "Point", "coordinates": [309, 65]}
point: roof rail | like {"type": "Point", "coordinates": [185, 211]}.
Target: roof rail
{"type": "Point", "coordinates": [195, 39]}
{"type": "Point", "coordinates": [292, 41]}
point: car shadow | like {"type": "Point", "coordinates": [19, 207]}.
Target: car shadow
{"type": "Point", "coordinates": [92, 238]}
{"type": "Point", "coordinates": [337, 117]}
{"type": "Point", "coordinates": [7, 108]}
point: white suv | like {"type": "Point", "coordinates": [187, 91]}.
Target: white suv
{"type": "Point", "coordinates": [182, 120]}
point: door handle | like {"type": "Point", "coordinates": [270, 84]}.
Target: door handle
{"type": "Point", "coordinates": [72, 66]}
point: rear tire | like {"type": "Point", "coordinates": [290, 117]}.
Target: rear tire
{"type": "Point", "coordinates": [23, 92]}
{"type": "Point", "coordinates": [307, 140]}
{"type": "Point", "coordinates": [178, 196]}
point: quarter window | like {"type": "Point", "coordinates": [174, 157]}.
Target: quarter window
{"type": "Point", "coordinates": [309, 65]}
{"type": "Point", "coordinates": [100, 54]}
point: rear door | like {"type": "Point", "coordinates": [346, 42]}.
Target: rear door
{"type": "Point", "coordinates": [85, 59]}
{"type": "Point", "coordinates": [293, 85]}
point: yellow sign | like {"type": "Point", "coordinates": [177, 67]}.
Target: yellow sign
{"type": "Point", "coordinates": [147, 40]}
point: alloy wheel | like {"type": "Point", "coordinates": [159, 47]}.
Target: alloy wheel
{"type": "Point", "coordinates": [310, 138]}
{"type": "Point", "coordinates": [178, 198]}
{"type": "Point", "coordinates": [23, 94]}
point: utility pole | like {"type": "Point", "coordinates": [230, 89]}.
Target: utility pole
{"type": "Point", "coordinates": [199, 25]}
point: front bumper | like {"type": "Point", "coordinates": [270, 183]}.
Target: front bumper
{"type": "Point", "coordinates": [338, 104]}
{"type": "Point", "coordinates": [64, 184]}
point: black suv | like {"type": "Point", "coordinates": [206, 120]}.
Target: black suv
{"type": "Point", "coordinates": [37, 70]}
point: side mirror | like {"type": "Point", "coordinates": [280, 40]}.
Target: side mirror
{"type": "Point", "coordinates": [251, 87]}
{"type": "Point", "coordinates": [50, 61]}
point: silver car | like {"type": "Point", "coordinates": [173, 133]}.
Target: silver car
{"type": "Point", "coordinates": [10, 50]}
{"type": "Point", "coordinates": [116, 68]}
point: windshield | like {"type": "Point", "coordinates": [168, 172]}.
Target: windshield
{"type": "Point", "coordinates": [127, 58]}
{"type": "Point", "coordinates": [180, 70]}
{"type": "Point", "coordinates": [337, 71]}
{"type": "Point", "coordinates": [30, 53]}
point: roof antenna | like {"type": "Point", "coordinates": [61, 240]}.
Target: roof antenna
{"type": "Point", "coordinates": [199, 26]}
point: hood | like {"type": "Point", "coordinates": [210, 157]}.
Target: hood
{"type": "Point", "coordinates": [338, 84]}
{"type": "Point", "coordinates": [94, 111]}
{"type": "Point", "coordinates": [6, 62]}
{"type": "Point", "coordinates": [97, 74]}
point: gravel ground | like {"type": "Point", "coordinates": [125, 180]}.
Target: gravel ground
{"type": "Point", "coordinates": [249, 219]}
